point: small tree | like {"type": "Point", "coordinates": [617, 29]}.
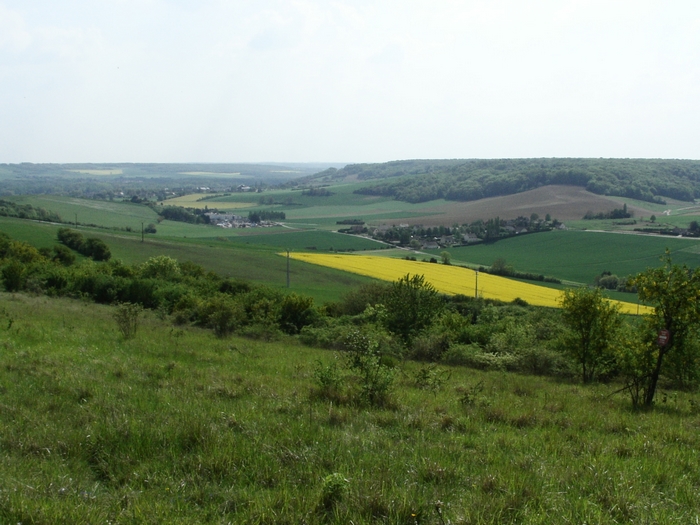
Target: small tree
{"type": "Point", "coordinates": [675, 292]}
{"type": "Point", "coordinates": [411, 305]}
{"type": "Point", "coordinates": [446, 257]}
{"type": "Point", "coordinates": [593, 324]}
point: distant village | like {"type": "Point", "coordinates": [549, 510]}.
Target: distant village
{"type": "Point", "coordinates": [432, 238]}
{"type": "Point", "coordinates": [230, 220]}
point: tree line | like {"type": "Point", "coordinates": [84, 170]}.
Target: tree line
{"type": "Point", "coordinates": [465, 180]}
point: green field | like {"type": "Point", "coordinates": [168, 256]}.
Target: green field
{"type": "Point", "coordinates": [251, 253]}
{"type": "Point", "coordinates": [310, 240]}
{"type": "Point", "coordinates": [342, 204]}
{"type": "Point", "coordinates": [121, 215]}
{"type": "Point", "coordinates": [256, 262]}
{"type": "Point", "coordinates": [177, 426]}
{"type": "Point", "coordinates": [580, 256]}
{"type": "Point", "coordinates": [101, 213]}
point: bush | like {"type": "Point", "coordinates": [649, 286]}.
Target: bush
{"type": "Point", "coordinates": [296, 312]}
{"type": "Point", "coordinates": [460, 354]}
{"type": "Point", "coordinates": [187, 309]}
{"type": "Point", "coordinates": [431, 378]}
{"type": "Point", "coordinates": [376, 378]}
{"type": "Point", "coordinates": [543, 361]}
{"type": "Point", "coordinates": [92, 247]}
{"type": "Point", "coordinates": [329, 382]}
{"type": "Point", "coordinates": [63, 255]}
{"type": "Point", "coordinates": [356, 301]}
{"type": "Point", "coordinates": [127, 317]}
{"type": "Point", "coordinates": [262, 306]}
{"type": "Point", "coordinates": [223, 315]}
{"type": "Point", "coordinates": [430, 346]}
{"type": "Point", "coordinates": [13, 276]}
{"type": "Point", "coordinates": [96, 249]}
{"type": "Point", "coordinates": [160, 267]}
{"type": "Point", "coordinates": [474, 357]}
{"type": "Point", "coordinates": [411, 305]}
{"type": "Point", "coordinates": [261, 331]}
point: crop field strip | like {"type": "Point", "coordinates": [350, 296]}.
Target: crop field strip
{"type": "Point", "coordinates": [451, 280]}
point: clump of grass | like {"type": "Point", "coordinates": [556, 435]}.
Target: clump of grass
{"type": "Point", "coordinates": [334, 489]}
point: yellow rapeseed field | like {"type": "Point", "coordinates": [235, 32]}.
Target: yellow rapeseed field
{"type": "Point", "coordinates": [448, 279]}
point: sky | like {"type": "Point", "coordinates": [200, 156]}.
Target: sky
{"type": "Point", "coordinates": [347, 80]}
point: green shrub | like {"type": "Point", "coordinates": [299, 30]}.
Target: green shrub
{"type": "Point", "coordinates": [329, 382]}
{"type": "Point", "coordinates": [430, 346]}
{"type": "Point", "coordinates": [296, 312]}
{"type": "Point", "coordinates": [160, 267]}
{"type": "Point", "coordinates": [127, 316]}
{"type": "Point", "coordinates": [514, 337]}
{"type": "Point", "coordinates": [375, 377]}
{"type": "Point", "coordinates": [544, 361]}
{"type": "Point", "coordinates": [187, 309]}
{"type": "Point", "coordinates": [431, 378]}
{"type": "Point", "coordinates": [356, 301]}
{"type": "Point", "coordinates": [261, 331]}
{"type": "Point", "coordinates": [460, 354]}
{"type": "Point", "coordinates": [96, 249]}
{"type": "Point", "coordinates": [474, 357]}
{"type": "Point", "coordinates": [262, 305]}
{"type": "Point", "coordinates": [13, 276]}
{"type": "Point", "coordinates": [63, 255]}
{"type": "Point", "coordinates": [222, 314]}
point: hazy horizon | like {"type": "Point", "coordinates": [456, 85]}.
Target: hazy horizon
{"type": "Point", "coordinates": [312, 81]}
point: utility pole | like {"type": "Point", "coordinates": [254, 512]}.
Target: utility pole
{"type": "Point", "coordinates": [287, 268]}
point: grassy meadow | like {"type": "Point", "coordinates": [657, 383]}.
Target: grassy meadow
{"type": "Point", "coordinates": [177, 426]}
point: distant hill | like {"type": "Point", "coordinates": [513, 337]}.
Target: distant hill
{"type": "Point", "coordinates": [415, 181]}
{"type": "Point", "coordinates": [94, 179]}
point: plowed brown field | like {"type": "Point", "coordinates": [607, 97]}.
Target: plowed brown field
{"type": "Point", "coordinates": [565, 203]}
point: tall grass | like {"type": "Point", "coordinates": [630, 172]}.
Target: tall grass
{"type": "Point", "coordinates": [177, 426]}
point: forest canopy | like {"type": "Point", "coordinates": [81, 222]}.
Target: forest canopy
{"type": "Point", "coordinates": [465, 180]}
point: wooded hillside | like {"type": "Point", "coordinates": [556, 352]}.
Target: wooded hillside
{"type": "Point", "coordinates": [466, 180]}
